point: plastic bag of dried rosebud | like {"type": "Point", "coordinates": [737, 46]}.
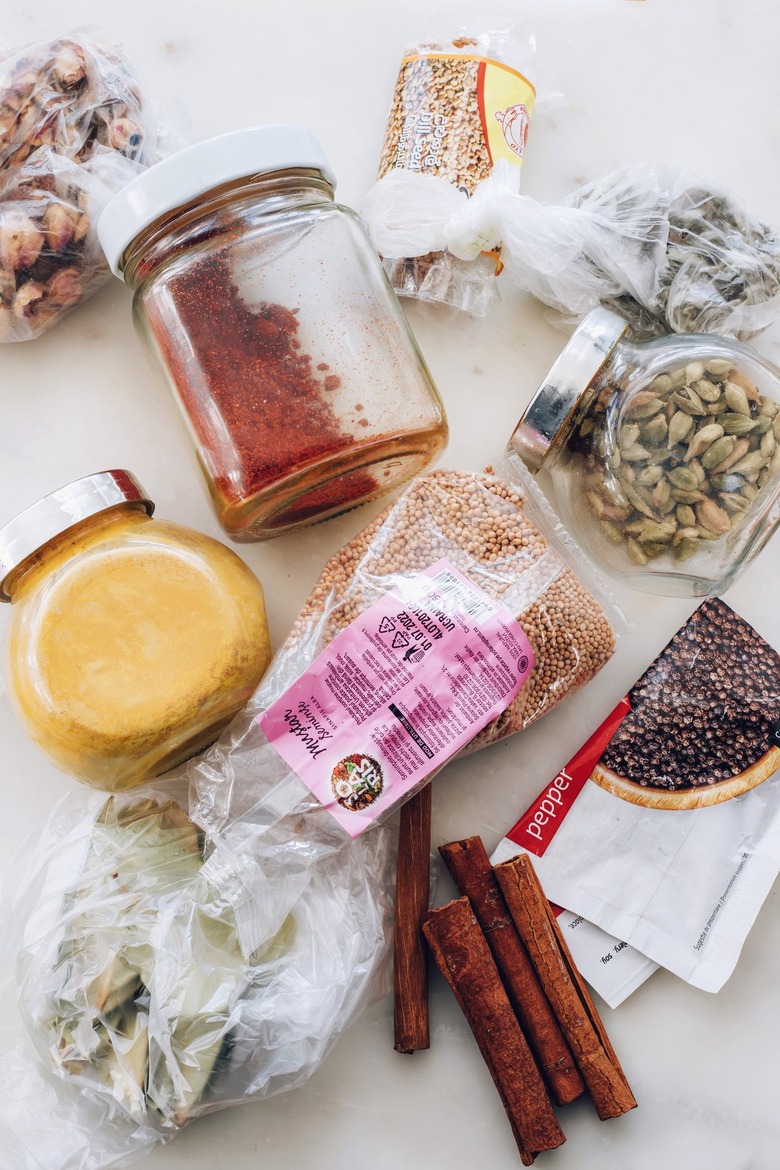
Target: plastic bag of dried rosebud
{"type": "Point", "coordinates": [50, 258]}
{"type": "Point", "coordinates": [459, 105]}
{"type": "Point", "coordinates": [74, 128]}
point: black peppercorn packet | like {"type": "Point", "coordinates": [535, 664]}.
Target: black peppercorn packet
{"type": "Point", "coordinates": [670, 840]}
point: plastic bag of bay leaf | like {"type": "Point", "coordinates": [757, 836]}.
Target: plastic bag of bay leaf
{"type": "Point", "coordinates": [155, 987]}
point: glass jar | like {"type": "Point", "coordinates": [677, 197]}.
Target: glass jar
{"type": "Point", "coordinates": [299, 379]}
{"type": "Point", "coordinates": [664, 456]}
{"type": "Point", "coordinates": [132, 641]}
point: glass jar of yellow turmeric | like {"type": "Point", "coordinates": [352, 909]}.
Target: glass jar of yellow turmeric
{"type": "Point", "coordinates": [132, 641]}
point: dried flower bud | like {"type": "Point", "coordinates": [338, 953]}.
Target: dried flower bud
{"type": "Point", "coordinates": [20, 239]}
{"type": "Point", "coordinates": [64, 289]}
{"type": "Point", "coordinates": [59, 225]}
{"type": "Point", "coordinates": [8, 118]}
{"type": "Point", "coordinates": [75, 195]}
{"type": "Point", "coordinates": [124, 135]}
{"type": "Point", "coordinates": [81, 227]}
{"type": "Point", "coordinates": [7, 285]}
{"type": "Point", "coordinates": [19, 91]}
{"type": "Point", "coordinates": [6, 323]}
{"type": "Point", "coordinates": [18, 157]}
{"type": "Point", "coordinates": [69, 67]}
{"type": "Point", "coordinates": [26, 301]}
{"type": "Point", "coordinates": [45, 134]}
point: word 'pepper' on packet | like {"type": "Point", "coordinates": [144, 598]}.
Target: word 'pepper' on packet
{"type": "Point", "coordinates": [668, 837]}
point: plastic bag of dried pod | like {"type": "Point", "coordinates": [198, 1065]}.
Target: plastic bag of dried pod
{"type": "Point", "coordinates": [669, 252]}
{"type": "Point", "coordinates": [451, 621]}
{"type": "Point", "coordinates": [459, 106]}
{"type": "Point", "coordinates": [74, 128]}
{"type": "Point", "coordinates": [720, 270]}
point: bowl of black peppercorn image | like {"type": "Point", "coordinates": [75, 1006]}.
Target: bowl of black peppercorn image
{"type": "Point", "coordinates": [704, 724]}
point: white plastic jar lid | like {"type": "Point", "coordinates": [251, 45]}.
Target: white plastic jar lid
{"type": "Point", "coordinates": [177, 180]}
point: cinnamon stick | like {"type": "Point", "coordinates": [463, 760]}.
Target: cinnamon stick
{"type": "Point", "coordinates": [470, 866]}
{"type": "Point", "coordinates": [464, 959]}
{"type": "Point", "coordinates": [565, 988]}
{"type": "Point", "coordinates": [412, 898]}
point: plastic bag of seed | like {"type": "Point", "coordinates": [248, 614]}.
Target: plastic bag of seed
{"type": "Point", "coordinates": [721, 268]}
{"type": "Point", "coordinates": [459, 106]}
{"type": "Point", "coordinates": [669, 252]}
{"type": "Point", "coordinates": [74, 128]}
{"type": "Point", "coordinates": [456, 618]}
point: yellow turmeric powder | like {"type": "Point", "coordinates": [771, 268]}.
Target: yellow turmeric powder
{"type": "Point", "coordinates": [132, 643]}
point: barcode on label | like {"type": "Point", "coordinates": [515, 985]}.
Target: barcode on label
{"type": "Point", "coordinates": [467, 599]}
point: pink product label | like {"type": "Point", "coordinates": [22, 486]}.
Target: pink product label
{"type": "Point", "coordinates": [398, 693]}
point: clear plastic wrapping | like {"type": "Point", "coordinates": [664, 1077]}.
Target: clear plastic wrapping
{"type": "Point", "coordinates": [74, 128]}
{"type": "Point", "coordinates": [669, 252]}
{"type": "Point", "coordinates": [158, 984]}
{"type": "Point", "coordinates": [720, 272]}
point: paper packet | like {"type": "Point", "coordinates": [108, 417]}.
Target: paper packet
{"type": "Point", "coordinates": [669, 841]}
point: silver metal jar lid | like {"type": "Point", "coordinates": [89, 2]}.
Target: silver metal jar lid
{"type": "Point", "coordinates": [50, 517]}
{"type": "Point", "coordinates": [550, 411]}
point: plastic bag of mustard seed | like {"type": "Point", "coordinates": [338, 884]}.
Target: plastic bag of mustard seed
{"type": "Point", "coordinates": [459, 106]}
{"type": "Point", "coordinates": [453, 620]}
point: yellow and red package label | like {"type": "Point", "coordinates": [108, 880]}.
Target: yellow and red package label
{"type": "Point", "coordinates": [455, 116]}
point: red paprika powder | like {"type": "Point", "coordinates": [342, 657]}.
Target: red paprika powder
{"type": "Point", "coordinates": [259, 406]}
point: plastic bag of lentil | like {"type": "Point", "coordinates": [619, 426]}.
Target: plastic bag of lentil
{"type": "Point", "coordinates": [145, 1002]}
{"type": "Point", "coordinates": [454, 619]}
{"type": "Point", "coordinates": [74, 129]}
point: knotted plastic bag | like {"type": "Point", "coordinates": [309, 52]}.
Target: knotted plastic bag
{"type": "Point", "coordinates": [665, 250]}
{"type": "Point", "coordinates": [459, 104]}
{"type": "Point", "coordinates": [74, 129]}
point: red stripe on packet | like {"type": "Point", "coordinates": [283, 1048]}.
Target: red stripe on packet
{"type": "Point", "coordinates": [481, 106]}
{"type": "Point", "coordinates": [539, 824]}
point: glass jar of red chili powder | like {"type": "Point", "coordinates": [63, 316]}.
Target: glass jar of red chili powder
{"type": "Point", "coordinates": [300, 381]}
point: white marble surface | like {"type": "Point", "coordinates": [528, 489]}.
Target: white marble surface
{"type": "Point", "coordinates": [691, 82]}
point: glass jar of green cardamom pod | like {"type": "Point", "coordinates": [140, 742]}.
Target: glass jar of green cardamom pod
{"type": "Point", "coordinates": [663, 456]}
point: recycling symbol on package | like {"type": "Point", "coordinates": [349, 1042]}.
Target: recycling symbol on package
{"type": "Point", "coordinates": [386, 626]}
{"type": "Point", "coordinates": [399, 641]}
